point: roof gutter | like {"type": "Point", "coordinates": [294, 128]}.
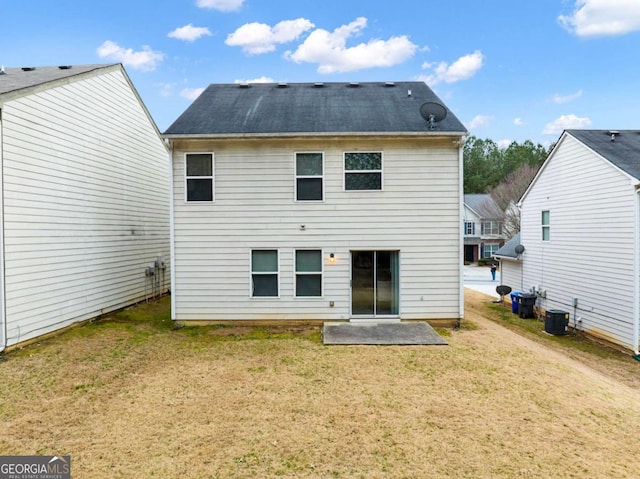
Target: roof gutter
{"type": "Point", "coordinates": [366, 134]}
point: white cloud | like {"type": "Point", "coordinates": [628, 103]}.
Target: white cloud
{"type": "Point", "coordinates": [145, 60]}
{"type": "Point", "coordinates": [189, 33]}
{"type": "Point", "coordinates": [221, 5]}
{"type": "Point", "coordinates": [462, 69]}
{"type": "Point", "coordinates": [565, 122]}
{"type": "Point", "coordinates": [502, 144]}
{"type": "Point", "coordinates": [191, 93]}
{"type": "Point", "coordinates": [261, 79]}
{"type": "Point", "coordinates": [256, 38]}
{"type": "Point", "coordinates": [329, 50]}
{"type": "Point", "coordinates": [518, 121]}
{"type": "Point", "coordinates": [593, 18]}
{"type": "Point", "coordinates": [560, 99]}
{"type": "Point", "coordinates": [479, 121]}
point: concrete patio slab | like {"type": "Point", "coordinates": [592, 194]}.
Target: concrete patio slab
{"type": "Point", "coordinates": [417, 333]}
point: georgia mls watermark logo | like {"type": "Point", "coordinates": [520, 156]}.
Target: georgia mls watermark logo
{"type": "Point", "coordinates": [35, 467]}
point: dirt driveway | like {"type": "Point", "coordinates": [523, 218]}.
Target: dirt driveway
{"type": "Point", "coordinates": [133, 398]}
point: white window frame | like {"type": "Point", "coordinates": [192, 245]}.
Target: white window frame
{"type": "Point", "coordinates": [303, 273]}
{"type": "Point", "coordinates": [491, 228]}
{"type": "Point", "coordinates": [546, 227]}
{"type": "Point", "coordinates": [469, 225]}
{"type": "Point", "coordinates": [345, 171]}
{"type": "Point", "coordinates": [492, 246]}
{"type": "Point", "coordinates": [296, 176]}
{"type": "Point", "coordinates": [212, 177]}
{"type": "Point", "coordinates": [251, 273]}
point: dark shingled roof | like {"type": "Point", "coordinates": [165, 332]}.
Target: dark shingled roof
{"type": "Point", "coordinates": [508, 250]}
{"type": "Point", "coordinates": [623, 151]}
{"type": "Point", "coordinates": [311, 108]}
{"type": "Point", "coordinates": [16, 79]}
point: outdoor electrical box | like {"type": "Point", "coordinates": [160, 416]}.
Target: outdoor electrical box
{"type": "Point", "coordinates": [556, 322]}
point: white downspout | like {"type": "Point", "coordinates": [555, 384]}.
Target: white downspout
{"type": "Point", "coordinates": [172, 239]}
{"type": "Point", "coordinates": [636, 273]}
{"type": "Point", "coordinates": [461, 225]}
{"type": "Point", "coordinates": [3, 309]}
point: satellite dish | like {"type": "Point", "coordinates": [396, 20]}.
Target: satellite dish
{"type": "Point", "coordinates": [433, 113]}
{"type": "Point", "coordinates": [503, 290]}
{"type": "Point", "coordinates": [519, 249]}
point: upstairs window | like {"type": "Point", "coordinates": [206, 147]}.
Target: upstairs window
{"type": "Point", "coordinates": [546, 225]}
{"type": "Point", "coordinates": [308, 273]}
{"type": "Point", "coordinates": [491, 228]}
{"type": "Point", "coordinates": [363, 171]}
{"type": "Point", "coordinates": [309, 177]}
{"type": "Point", "coordinates": [199, 176]}
{"type": "Point", "coordinates": [264, 274]}
{"type": "Point", "coordinates": [469, 228]}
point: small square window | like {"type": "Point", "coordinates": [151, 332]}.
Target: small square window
{"type": "Point", "coordinates": [363, 171]}
{"type": "Point", "coordinates": [199, 176]}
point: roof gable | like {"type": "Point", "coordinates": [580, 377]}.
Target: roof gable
{"type": "Point", "coordinates": [311, 108]}
{"type": "Point", "coordinates": [622, 148]}
{"type": "Point", "coordinates": [483, 205]}
{"type": "Point", "coordinates": [623, 151]}
{"type": "Point", "coordinates": [15, 82]}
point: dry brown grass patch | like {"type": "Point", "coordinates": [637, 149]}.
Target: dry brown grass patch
{"type": "Point", "coordinates": [133, 399]}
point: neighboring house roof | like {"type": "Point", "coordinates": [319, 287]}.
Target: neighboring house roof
{"type": "Point", "coordinates": [483, 206]}
{"type": "Point", "coordinates": [19, 82]}
{"type": "Point", "coordinates": [508, 250]}
{"type": "Point", "coordinates": [620, 147]}
{"type": "Point", "coordinates": [312, 108]}
{"type": "Point", "coordinates": [13, 80]}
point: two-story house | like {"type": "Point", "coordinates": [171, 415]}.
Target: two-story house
{"type": "Point", "coordinates": [316, 201]}
{"type": "Point", "coordinates": [482, 227]}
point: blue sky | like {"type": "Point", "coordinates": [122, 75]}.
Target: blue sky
{"type": "Point", "coordinates": [509, 69]}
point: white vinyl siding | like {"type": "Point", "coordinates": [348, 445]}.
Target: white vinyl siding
{"type": "Point", "coordinates": [418, 214]}
{"type": "Point", "coordinates": [85, 209]}
{"type": "Point", "coordinates": [590, 254]}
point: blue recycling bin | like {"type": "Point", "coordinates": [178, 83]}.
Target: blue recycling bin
{"type": "Point", "coordinates": [514, 301]}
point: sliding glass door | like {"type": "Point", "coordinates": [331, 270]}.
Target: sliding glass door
{"type": "Point", "coordinates": [375, 287]}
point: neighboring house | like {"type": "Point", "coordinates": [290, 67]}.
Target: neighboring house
{"type": "Point", "coordinates": [84, 194]}
{"type": "Point", "coordinates": [581, 231]}
{"type": "Point", "coordinates": [511, 264]}
{"type": "Point", "coordinates": [326, 201]}
{"type": "Point", "coordinates": [482, 227]}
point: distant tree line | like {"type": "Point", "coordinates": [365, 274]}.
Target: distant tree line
{"type": "Point", "coordinates": [504, 173]}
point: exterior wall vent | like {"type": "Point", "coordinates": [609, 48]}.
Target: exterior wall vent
{"type": "Point", "coordinates": [389, 84]}
{"type": "Point", "coordinates": [354, 84]}
{"type": "Point", "coordinates": [243, 85]}
{"type": "Point", "coordinates": [318, 85]}
{"type": "Point", "coordinates": [283, 85]}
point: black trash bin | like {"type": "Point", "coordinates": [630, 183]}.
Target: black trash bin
{"type": "Point", "coordinates": [556, 322]}
{"type": "Point", "coordinates": [526, 302]}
